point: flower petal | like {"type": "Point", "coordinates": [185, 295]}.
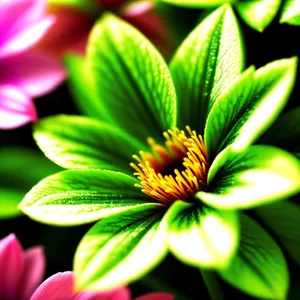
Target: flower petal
{"type": "Point", "coordinates": [205, 64]}
{"type": "Point", "coordinates": [144, 102]}
{"type": "Point", "coordinates": [283, 220]}
{"type": "Point", "coordinates": [58, 286]}
{"type": "Point", "coordinates": [117, 294]}
{"type": "Point", "coordinates": [202, 237]}
{"type": "Point", "coordinates": [249, 106]}
{"type": "Point", "coordinates": [156, 296]}
{"type": "Point", "coordinates": [120, 249]}
{"type": "Point", "coordinates": [83, 196]}
{"type": "Point", "coordinates": [25, 37]}
{"type": "Point", "coordinates": [80, 142]}
{"type": "Point", "coordinates": [259, 269]}
{"type": "Point", "coordinates": [256, 176]}
{"type": "Point", "coordinates": [33, 272]}
{"type": "Point", "coordinates": [34, 72]}
{"type": "Point", "coordinates": [16, 108]}
{"type": "Point", "coordinates": [11, 267]}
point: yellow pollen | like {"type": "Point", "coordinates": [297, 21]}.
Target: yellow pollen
{"type": "Point", "coordinates": [184, 156]}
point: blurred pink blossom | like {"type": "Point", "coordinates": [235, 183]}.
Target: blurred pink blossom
{"type": "Point", "coordinates": [22, 273]}
{"type": "Point", "coordinates": [71, 29]}
{"type": "Point", "coordinates": [25, 72]}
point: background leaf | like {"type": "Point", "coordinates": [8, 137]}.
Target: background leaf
{"type": "Point", "coordinates": [290, 12]}
{"type": "Point", "coordinates": [259, 269]}
{"type": "Point", "coordinates": [198, 3]}
{"type": "Point", "coordinates": [120, 249]}
{"type": "Point", "coordinates": [209, 59]}
{"type": "Point", "coordinates": [283, 218]}
{"type": "Point", "coordinates": [256, 176]}
{"type": "Point", "coordinates": [132, 79]}
{"type": "Point", "coordinates": [258, 14]}
{"type": "Point", "coordinates": [20, 169]}
{"type": "Point", "coordinates": [83, 143]}
{"type": "Point", "coordinates": [82, 196]}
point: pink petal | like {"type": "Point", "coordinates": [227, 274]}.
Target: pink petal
{"type": "Point", "coordinates": [68, 33]}
{"type": "Point", "coordinates": [57, 287]}
{"type": "Point", "coordinates": [34, 72]}
{"type": "Point", "coordinates": [16, 108]}
{"type": "Point", "coordinates": [156, 296]}
{"type": "Point", "coordinates": [34, 271]}
{"type": "Point", "coordinates": [11, 266]}
{"type": "Point", "coordinates": [118, 294]}
{"type": "Point", "coordinates": [24, 38]}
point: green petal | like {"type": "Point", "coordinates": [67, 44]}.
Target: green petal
{"type": "Point", "coordinates": [259, 268]}
{"type": "Point", "coordinates": [82, 88]}
{"type": "Point", "coordinates": [198, 3]}
{"type": "Point", "coordinates": [120, 249]}
{"type": "Point", "coordinates": [290, 12]}
{"type": "Point", "coordinates": [207, 61]}
{"type": "Point", "coordinates": [133, 81]}
{"type": "Point", "coordinates": [283, 220]}
{"type": "Point", "coordinates": [256, 176]}
{"type": "Point", "coordinates": [85, 143]}
{"type": "Point", "coordinates": [82, 196]}
{"type": "Point", "coordinates": [285, 132]}
{"type": "Point", "coordinates": [18, 175]}
{"type": "Point", "coordinates": [258, 14]}
{"type": "Point", "coordinates": [202, 236]}
{"type": "Point", "coordinates": [249, 106]}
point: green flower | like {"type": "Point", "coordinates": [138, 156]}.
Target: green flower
{"type": "Point", "coordinates": [258, 14]}
{"type": "Point", "coordinates": [186, 189]}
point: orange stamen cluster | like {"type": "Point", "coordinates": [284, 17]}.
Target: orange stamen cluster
{"type": "Point", "coordinates": [188, 152]}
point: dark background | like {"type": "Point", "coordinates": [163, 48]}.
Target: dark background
{"type": "Point", "coordinates": [276, 42]}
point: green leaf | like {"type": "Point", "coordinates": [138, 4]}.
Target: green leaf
{"type": "Point", "coordinates": [82, 88]}
{"type": "Point", "coordinates": [18, 175]}
{"type": "Point", "coordinates": [283, 220]}
{"type": "Point", "coordinates": [249, 106]}
{"type": "Point", "coordinates": [256, 176]}
{"type": "Point", "coordinates": [208, 60]}
{"type": "Point", "coordinates": [202, 236]}
{"type": "Point", "coordinates": [120, 249]}
{"type": "Point", "coordinates": [85, 143]}
{"type": "Point", "coordinates": [82, 196]}
{"type": "Point", "coordinates": [213, 285]}
{"type": "Point", "coordinates": [258, 14]}
{"type": "Point", "coordinates": [290, 12]}
{"type": "Point", "coordinates": [198, 3]}
{"type": "Point", "coordinates": [285, 132]}
{"type": "Point", "coordinates": [133, 81]}
{"type": "Point", "coordinates": [259, 269]}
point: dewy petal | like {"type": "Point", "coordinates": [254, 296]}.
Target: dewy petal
{"type": "Point", "coordinates": [33, 272]}
{"type": "Point", "coordinates": [11, 266]}
{"type": "Point", "coordinates": [25, 38]}
{"type": "Point", "coordinates": [156, 296]}
{"type": "Point", "coordinates": [34, 72]}
{"type": "Point", "coordinates": [16, 108]}
{"type": "Point", "coordinates": [201, 236]}
{"type": "Point", "coordinates": [256, 176]}
{"type": "Point", "coordinates": [58, 286]}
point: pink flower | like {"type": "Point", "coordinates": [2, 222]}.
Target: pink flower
{"type": "Point", "coordinates": [25, 72]}
{"type": "Point", "coordinates": [72, 26]}
{"type": "Point", "coordinates": [22, 273]}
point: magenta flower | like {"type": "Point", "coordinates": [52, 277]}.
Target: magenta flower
{"type": "Point", "coordinates": [25, 72]}
{"type": "Point", "coordinates": [22, 273]}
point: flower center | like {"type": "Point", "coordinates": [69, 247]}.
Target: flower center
{"type": "Point", "coordinates": [175, 171]}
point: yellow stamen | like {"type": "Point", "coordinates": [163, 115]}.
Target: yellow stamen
{"type": "Point", "coordinates": [182, 151]}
